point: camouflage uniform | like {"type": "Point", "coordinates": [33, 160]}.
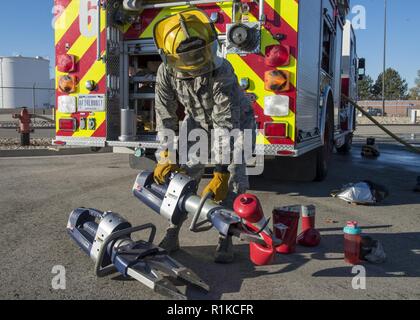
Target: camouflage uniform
{"type": "Point", "coordinates": [211, 101]}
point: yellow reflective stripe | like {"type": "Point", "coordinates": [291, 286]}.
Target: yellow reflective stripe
{"type": "Point", "coordinates": [82, 44]}
{"type": "Point", "coordinates": [80, 47]}
{"type": "Point", "coordinates": [288, 9]}
{"type": "Point", "coordinates": [66, 19]}
{"type": "Point", "coordinates": [95, 73]}
{"type": "Point", "coordinates": [257, 86]}
{"type": "Point", "coordinates": [292, 69]}
{"type": "Point", "coordinates": [100, 118]}
{"type": "Point", "coordinates": [243, 70]}
{"type": "Point", "coordinates": [125, 28]}
{"type": "Point", "coordinates": [267, 40]}
{"type": "Point", "coordinates": [266, 37]}
{"type": "Point", "coordinates": [261, 139]}
{"type": "Point", "coordinates": [148, 32]}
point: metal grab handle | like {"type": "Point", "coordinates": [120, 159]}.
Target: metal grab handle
{"type": "Point", "coordinates": [104, 271]}
{"type": "Point", "coordinates": [98, 35]}
{"type": "Point", "coordinates": [183, 3]}
{"type": "Point", "coordinates": [194, 225]}
{"type": "Point", "coordinates": [201, 227]}
{"type": "Point", "coordinates": [262, 11]}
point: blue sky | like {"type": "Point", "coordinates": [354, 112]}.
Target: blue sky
{"type": "Point", "coordinates": [25, 28]}
{"type": "Point", "coordinates": [403, 51]}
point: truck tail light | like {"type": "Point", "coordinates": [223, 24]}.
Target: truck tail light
{"type": "Point", "coordinates": [345, 86]}
{"type": "Point", "coordinates": [68, 125]}
{"type": "Point", "coordinates": [277, 56]}
{"type": "Point", "coordinates": [66, 63]}
{"type": "Point", "coordinates": [277, 81]}
{"type": "Point", "coordinates": [276, 106]}
{"type": "Point", "coordinates": [67, 84]}
{"type": "Point", "coordinates": [286, 153]}
{"type": "Point", "coordinates": [276, 130]}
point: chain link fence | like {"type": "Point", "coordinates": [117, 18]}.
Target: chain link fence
{"type": "Point", "coordinates": [39, 101]}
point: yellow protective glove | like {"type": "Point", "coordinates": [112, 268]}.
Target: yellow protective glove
{"type": "Point", "coordinates": [164, 168]}
{"type": "Point", "coordinates": [219, 186]}
{"type": "Point", "coordinates": [162, 171]}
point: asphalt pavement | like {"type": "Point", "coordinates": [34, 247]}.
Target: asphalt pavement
{"type": "Point", "coordinates": [38, 193]}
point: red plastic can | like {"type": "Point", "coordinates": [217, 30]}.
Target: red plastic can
{"type": "Point", "coordinates": [288, 216]}
{"type": "Point", "coordinates": [248, 207]}
{"type": "Point", "coordinates": [308, 217]}
{"type": "Point", "coordinates": [261, 255]}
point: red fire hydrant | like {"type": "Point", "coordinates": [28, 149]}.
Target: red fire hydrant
{"type": "Point", "coordinates": [24, 126]}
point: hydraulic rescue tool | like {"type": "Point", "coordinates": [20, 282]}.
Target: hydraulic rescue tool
{"type": "Point", "coordinates": [178, 198]}
{"type": "Point", "coordinates": [107, 238]}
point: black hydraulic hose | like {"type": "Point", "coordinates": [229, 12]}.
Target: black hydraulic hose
{"type": "Point", "coordinates": [409, 146]}
{"type": "Point", "coordinates": [259, 231]}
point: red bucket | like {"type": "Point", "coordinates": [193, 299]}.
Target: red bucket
{"type": "Point", "coordinates": [288, 216]}
{"type": "Point", "coordinates": [261, 255]}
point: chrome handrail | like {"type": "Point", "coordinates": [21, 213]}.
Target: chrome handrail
{"type": "Point", "coordinates": [261, 17]}
{"type": "Point", "coordinates": [98, 36]}
{"type": "Point", "coordinates": [182, 3]}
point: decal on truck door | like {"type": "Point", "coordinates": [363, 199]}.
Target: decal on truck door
{"type": "Point", "coordinates": [91, 103]}
{"type": "Point", "coordinates": [88, 19]}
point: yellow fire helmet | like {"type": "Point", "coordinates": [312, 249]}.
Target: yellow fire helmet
{"type": "Point", "coordinates": [187, 43]}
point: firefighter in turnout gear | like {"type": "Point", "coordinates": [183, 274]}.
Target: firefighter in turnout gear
{"type": "Point", "coordinates": [205, 85]}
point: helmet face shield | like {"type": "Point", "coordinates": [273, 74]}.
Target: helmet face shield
{"type": "Point", "coordinates": [188, 44]}
{"type": "Point", "coordinates": [195, 62]}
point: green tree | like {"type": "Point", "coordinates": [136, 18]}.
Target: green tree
{"type": "Point", "coordinates": [365, 88]}
{"type": "Point", "coordinates": [415, 91]}
{"type": "Point", "coordinates": [396, 88]}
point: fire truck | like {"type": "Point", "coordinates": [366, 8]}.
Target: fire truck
{"type": "Point", "coordinates": [287, 55]}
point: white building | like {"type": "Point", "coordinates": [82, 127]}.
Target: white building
{"type": "Point", "coordinates": [25, 82]}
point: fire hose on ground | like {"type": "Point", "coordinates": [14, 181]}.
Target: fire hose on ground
{"type": "Point", "coordinates": [409, 146]}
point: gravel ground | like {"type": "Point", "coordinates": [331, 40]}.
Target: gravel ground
{"type": "Point", "coordinates": [14, 144]}
{"type": "Point", "coordinates": [385, 120]}
{"type": "Point", "coordinates": [35, 124]}
{"type": "Point", "coordinates": [6, 120]}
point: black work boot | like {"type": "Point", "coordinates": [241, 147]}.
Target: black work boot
{"type": "Point", "coordinates": [224, 251]}
{"type": "Point", "coordinates": [171, 240]}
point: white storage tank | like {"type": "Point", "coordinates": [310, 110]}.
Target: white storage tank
{"type": "Point", "coordinates": [24, 82]}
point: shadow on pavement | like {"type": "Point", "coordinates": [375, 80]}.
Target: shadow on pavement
{"type": "Point", "coordinates": [403, 260]}
{"type": "Point", "coordinates": [402, 249]}
{"type": "Point", "coordinates": [222, 278]}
